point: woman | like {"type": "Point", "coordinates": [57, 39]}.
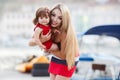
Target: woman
{"type": "Point", "coordinates": [63, 61]}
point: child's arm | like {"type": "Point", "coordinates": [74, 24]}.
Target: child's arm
{"type": "Point", "coordinates": [37, 37]}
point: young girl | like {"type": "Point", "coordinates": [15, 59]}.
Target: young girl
{"type": "Point", "coordinates": [41, 21]}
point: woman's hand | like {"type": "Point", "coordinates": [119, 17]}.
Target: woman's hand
{"type": "Point", "coordinates": [57, 31]}
{"type": "Point", "coordinates": [46, 37]}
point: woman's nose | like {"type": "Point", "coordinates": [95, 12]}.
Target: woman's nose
{"type": "Point", "coordinates": [55, 19]}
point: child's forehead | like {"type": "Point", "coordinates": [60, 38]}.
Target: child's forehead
{"type": "Point", "coordinates": [44, 16]}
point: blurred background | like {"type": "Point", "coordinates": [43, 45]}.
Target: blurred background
{"type": "Point", "coordinates": [16, 27]}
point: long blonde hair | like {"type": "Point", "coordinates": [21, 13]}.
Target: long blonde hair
{"type": "Point", "coordinates": [71, 48]}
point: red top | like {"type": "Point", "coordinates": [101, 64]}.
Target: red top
{"type": "Point", "coordinates": [45, 30]}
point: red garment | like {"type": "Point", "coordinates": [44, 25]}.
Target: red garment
{"type": "Point", "coordinates": [59, 67]}
{"type": "Point", "coordinates": [45, 30]}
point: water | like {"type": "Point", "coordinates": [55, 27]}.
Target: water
{"type": "Point", "coordinates": [10, 57]}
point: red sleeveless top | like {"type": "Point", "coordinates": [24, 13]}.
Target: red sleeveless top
{"type": "Point", "coordinates": [45, 30]}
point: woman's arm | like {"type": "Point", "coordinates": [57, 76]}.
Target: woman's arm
{"type": "Point", "coordinates": [60, 53]}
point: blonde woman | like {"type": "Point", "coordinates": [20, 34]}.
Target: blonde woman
{"type": "Point", "coordinates": [63, 62]}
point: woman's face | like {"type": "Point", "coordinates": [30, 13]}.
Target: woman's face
{"type": "Point", "coordinates": [56, 18]}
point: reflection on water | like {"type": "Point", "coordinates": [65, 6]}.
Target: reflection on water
{"type": "Point", "coordinates": [15, 49]}
{"type": "Point", "coordinates": [100, 45]}
{"type": "Point", "coordinates": [9, 57]}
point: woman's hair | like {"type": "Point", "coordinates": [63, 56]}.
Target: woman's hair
{"type": "Point", "coordinates": [41, 12]}
{"type": "Point", "coordinates": [71, 48]}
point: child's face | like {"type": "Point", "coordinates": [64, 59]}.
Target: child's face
{"type": "Point", "coordinates": [43, 20]}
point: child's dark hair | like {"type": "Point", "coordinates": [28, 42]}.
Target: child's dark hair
{"type": "Point", "coordinates": [41, 12]}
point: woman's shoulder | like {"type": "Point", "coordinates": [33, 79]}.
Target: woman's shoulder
{"type": "Point", "coordinates": [63, 34]}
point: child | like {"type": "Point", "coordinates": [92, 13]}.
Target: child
{"type": "Point", "coordinates": [41, 21]}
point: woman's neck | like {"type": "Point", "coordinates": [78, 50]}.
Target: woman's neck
{"type": "Point", "coordinates": [55, 28]}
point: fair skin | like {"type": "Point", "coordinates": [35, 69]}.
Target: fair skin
{"type": "Point", "coordinates": [67, 42]}
{"type": "Point", "coordinates": [38, 31]}
{"type": "Point", "coordinates": [43, 21]}
{"type": "Point", "coordinates": [36, 39]}
{"type": "Point", "coordinates": [56, 21]}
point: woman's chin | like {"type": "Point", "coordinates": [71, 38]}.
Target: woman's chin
{"type": "Point", "coordinates": [53, 25]}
